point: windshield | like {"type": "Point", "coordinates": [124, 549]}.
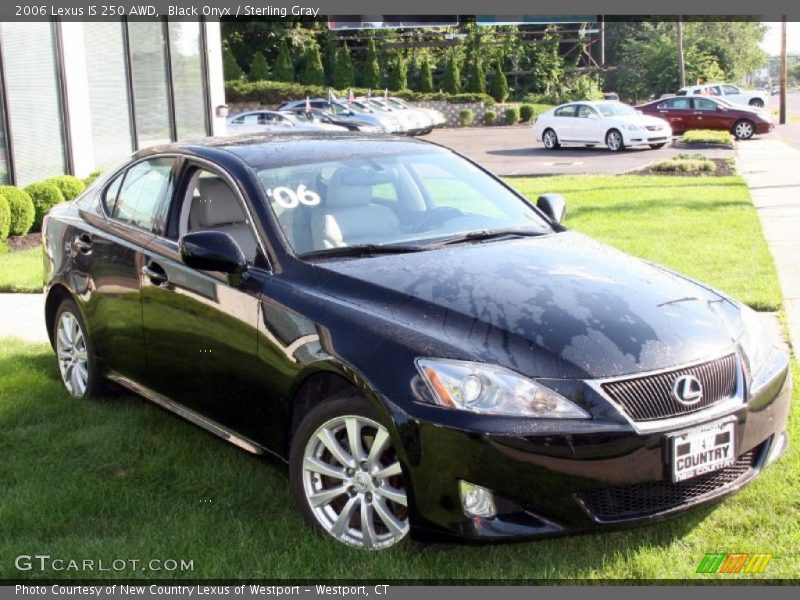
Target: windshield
{"type": "Point", "coordinates": [396, 199]}
{"type": "Point", "coordinates": [342, 108]}
{"type": "Point", "coordinates": [615, 109]}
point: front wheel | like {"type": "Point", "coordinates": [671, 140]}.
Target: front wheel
{"type": "Point", "coordinates": [346, 477]}
{"type": "Point", "coordinates": [658, 146]}
{"type": "Point", "coordinates": [743, 129]}
{"type": "Point", "coordinates": [757, 103]}
{"type": "Point", "coordinates": [75, 352]}
{"type": "Point", "coordinates": [614, 141]}
{"type": "Point", "coordinates": [550, 139]}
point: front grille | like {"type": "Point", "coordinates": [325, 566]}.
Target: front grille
{"type": "Point", "coordinates": [650, 397]}
{"type": "Point", "coordinates": [644, 499]}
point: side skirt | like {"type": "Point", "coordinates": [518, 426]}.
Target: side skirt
{"type": "Point", "coordinates": [191, 416]}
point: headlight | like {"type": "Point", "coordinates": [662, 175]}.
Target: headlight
{"type": "Point", "coordinates": [756, 341]}
{"type": "Point", "coordinates": [370, 128]}
{"type": "Point", "coordinates": [489, 389]}
{"type": "Point", "coordinates": [632, 127]}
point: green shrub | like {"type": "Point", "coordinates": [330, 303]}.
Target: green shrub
{"type": "Point", "coordinates": [425, 76]}
{"type": "Point", "coordinates": [499, 86]}
{"type": "Point", "coordinates": [451, 80]}
{"type": "Point", "coordinates": [526, 112]}
{"type": "Point", "coordinates": [87, 181]}
{"type": "Point", "coordinates": [69, 185]}
{"type": "Point", "coordinates": [258, 67]}
{"type": "Point", "coordinates": [465, 117]}
{"type": "Point", "coordinates": [313, 71]}
{"type": "Point", "coordinates": [283, 70]}
{"type": "Point", "coordinates": [343, 72]}
{"type": "Point", "coordinates": [275, 92]}
{"type": "Point", "coordinates": [21, 209]}
{"type": "Point", "coordinates": [45, 195]}
{"type": "Point", "coordinates": [512, 115]}
{"type": "Point", "coordinates": [489, 117]}
{"type": "Point", "coordinates": [707, 136]}
{"type": "Point", "coordinates": [398, 76]}
{"type": "Point", "coordinates": [686, 164]}
{"type": "Point", "coordinates": [5, 219]}
{"type": "Point", "coordinates": [230, 68]}
{"type": "Point", "coordinates": [371, 72]}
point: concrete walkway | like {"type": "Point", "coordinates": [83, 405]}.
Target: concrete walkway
{"type": "Point", "coordinates": [772, 171]}
{"type": "Point", "coordinates": [22, 316]}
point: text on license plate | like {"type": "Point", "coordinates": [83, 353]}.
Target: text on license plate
{"type": "Point", "coordinates": [702, 450]}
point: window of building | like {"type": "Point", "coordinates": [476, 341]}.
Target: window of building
{"type": "Point", "coordinates": [186, 59]}
{"type": "Point", "coordinates": [33, 97]}
{"type": "Point", "coordinates": [149, 82]}
{"type": "Point", "coordinates": [4, 173]}
{"type": "Point", "coordinates": [108, 91]}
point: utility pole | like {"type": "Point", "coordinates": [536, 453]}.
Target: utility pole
{"type": "Point", "coordinates": [681, 63]}
{"type": "Point", "coordinates": [782, 117]}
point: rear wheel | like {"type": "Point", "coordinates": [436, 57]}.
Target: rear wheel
{"type": "Point", "coordinates": [757, 102]}
{"type": "Point", "coordinates": [657, 146]}
{"type": "Point", "coordinates": [743, 129]}
{"type": "Point", "coordinates": [75, 352]}
{"type": "Point", "coordinates": [614, 141]}
{"type": "Point", "coordinates": [346, 477]}
{"type": "Point", "coordinates": [550, 139]}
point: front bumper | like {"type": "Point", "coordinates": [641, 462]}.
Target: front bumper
{"type": "Point", "coordinates": [551, 477]}
{"type": "Point", "coordinates": [645, 137]}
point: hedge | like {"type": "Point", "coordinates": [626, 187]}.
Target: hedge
{"type": "Point", "coordinates": [22, 211]}
{"type": "Point", "coordinates": [526, 112]}
{"type": "Point", "coordinates": [45, 195]}
{"type": "Point", "coordinates": [5, 219]}
{"type": "Point", "coordinates": [512, 115]}
{"type": "Point", "coordinates": [465, 117]}
{"type": "Point", "coordinates": [69, 185]}
{"type": "Point", "coordinates": [276, 92]}
{"type": "Point", "coordinates": [489, 117]}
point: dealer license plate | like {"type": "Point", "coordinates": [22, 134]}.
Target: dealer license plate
{"type": "Point", "coordinates": [702, 450]}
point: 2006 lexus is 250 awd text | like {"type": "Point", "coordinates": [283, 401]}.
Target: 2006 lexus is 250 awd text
{"type": "Point", "coordinates": [429, 352]}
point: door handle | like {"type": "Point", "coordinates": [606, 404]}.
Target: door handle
{"type": "Point", "coordinates": [82, 243]}
{"type": "Point", "coordinates": [155, 273]}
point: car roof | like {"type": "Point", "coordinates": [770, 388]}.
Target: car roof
{"type": "Point", "coordinates": [265, 150]}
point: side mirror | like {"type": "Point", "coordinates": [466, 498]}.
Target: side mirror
{"type": "Point", "coordinates": [212, 251]}
{"type": "Point", "coordinates": [553, 205]}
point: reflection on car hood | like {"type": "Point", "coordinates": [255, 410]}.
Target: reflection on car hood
{"type": "Point", "coordinates": [641, 120]}
{"type": "Point", "coordinates": [560, 305]}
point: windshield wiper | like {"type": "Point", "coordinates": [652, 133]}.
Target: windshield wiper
{"type": "Point", "coordinates": [362, 250]}
{"type": "Point", "coordinates": [487, 234]}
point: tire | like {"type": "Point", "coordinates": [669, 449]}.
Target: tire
{"type": "Point", "coordinates": [614, 141]}
{"type": "Point", "coordinates": [550, 139]}
{"type": "Point", "coordinates": [743, 129]}
{"type": "Point", "coordinates": [756, 102]}
{"type": "Point", "coordinates": [658, 146]}
{"type": "Point", "coordinates": [75, 358]}
{"type": "Point", "coordinates": [371, 487]}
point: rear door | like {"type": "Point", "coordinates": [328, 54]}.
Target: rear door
{"type": "Point", "coordinates": [588, 126]}
{"type": "Point", "coordinates": [563, 122]}
{"type": "Point", "coordinates": [707, 115]}
{"type": "Point", "coordinates": [110, 257]}
{"type": "Point", "coordinates": [678, 111]}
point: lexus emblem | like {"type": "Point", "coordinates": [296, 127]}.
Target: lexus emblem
{"type": "Point", "coordinates": [687, 390]}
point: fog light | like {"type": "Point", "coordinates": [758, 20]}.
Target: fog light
{"type": "Point", "coordinates": [476, 501]}
{"type": "Point", "coordinates": [778, 447]}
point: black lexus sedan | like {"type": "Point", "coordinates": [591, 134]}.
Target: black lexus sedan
{"type": "Point", "coordinates": [429, 352]}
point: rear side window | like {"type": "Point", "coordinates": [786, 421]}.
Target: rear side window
{"type": "Point", "coordinates": [566, 111]}
{"type": "Point", "coordinates": [704, 104]}
{"type": "Point", "coordinates": [135, 197]}
{"type": "Point", "coordinates": [675, 104]}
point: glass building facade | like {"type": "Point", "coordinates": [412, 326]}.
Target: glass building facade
{"type": "Point", "coordinates": [111, 88]}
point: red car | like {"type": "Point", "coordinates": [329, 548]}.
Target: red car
{"type": "Point", "coordinates": [694, 112]}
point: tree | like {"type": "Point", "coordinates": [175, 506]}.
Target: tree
{"type": "Point", "coordinates": [451, 80]}
{"type": "Point", "coordinates": [425, 77]}
{"type": "Point", "coordinates": [284, 65]}
{"type": "Point", "coordinates": [476, 80]}
{"type": "Point", "coordinates": [343, 74]}
{"type": "Point", "coordinates": [259, 70]}
{"type": "Point", "coordinates": [398, 78]}
{"type": "Point", "coordinates": [371, 73]}
{"type": "Point", "coordinates": [313, 71]}
{"type": "Point", "coordinates": [230, 67]}
{"type": "Point", "coordinates": [499, 86]}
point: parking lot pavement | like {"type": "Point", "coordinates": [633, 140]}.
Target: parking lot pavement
{"type": "Point", "coordinates": [512, 151]}
{"type": "Point", "coordinates": [770, 168]}
{"type": "Point", "coordinates": [22, 316]}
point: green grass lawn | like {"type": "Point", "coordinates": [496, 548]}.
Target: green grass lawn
{"type": "Point", "coordinates": [121, 478]}
{"type": "Point", "coordinates": [21, 271]}
{"type": "Point", "coordinates": [704, 227]}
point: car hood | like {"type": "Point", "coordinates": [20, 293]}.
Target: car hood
{"type": "Point", "coordinates": [560, 305]}
{"type": "Point", "coordinates": [641, 120]}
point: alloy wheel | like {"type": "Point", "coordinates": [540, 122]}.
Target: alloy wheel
{"type": "Point", "coordinates": [743, 130]}
{"type": "Point", "coordinates": [550, 139]}
{"type": "Point", "coordinates": [73, 357]}
{"type": "Point", "coordinates": [353, 483]}
{"type": "Point", "coordinates": [614, 140]}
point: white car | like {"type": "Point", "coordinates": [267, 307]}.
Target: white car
{"type": "Point", "coordinates": [731, 93]}
{"type": "Point", "coordinates": [614, 124]}
{"type": "Point", "coordinates": [267, 120]}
